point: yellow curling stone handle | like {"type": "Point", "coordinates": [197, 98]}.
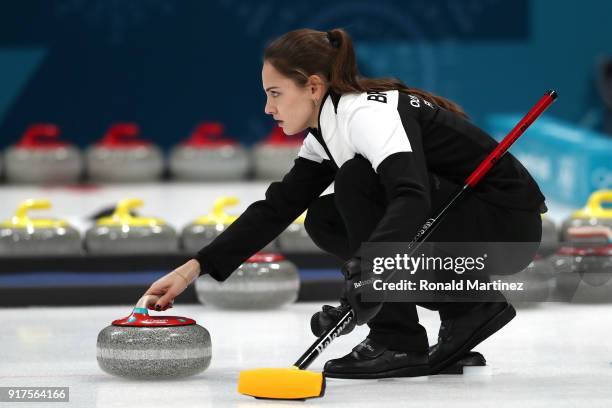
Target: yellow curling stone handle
{"type": "Point", "coordinates": [593, 208]}
{"type": "Point", "coordinates": [122, 216]}
{"type": "Point", "coordinates": [218, 214]}
{"type": "Point", "coordinates": [21, 219]}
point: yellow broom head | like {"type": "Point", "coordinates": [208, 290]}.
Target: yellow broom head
{"type": "Point", "coordinates": [281, 383]}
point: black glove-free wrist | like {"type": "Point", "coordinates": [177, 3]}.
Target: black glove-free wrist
{"type": "Point", "coordinates": [356, 285]}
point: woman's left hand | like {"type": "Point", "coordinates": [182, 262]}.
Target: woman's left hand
{"type": "Point", "coordinates": [173, 284]}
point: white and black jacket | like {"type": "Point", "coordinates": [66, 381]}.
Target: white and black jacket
{"type": "Point", "coordinates": [404, 137]}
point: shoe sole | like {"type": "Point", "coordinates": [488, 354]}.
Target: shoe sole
{"type": "Point", "coordinates": [412, 371]}
{"type": "Point", "coordinates": [485, 331]}
{"type": "Point", "coordinates": [470, 359]}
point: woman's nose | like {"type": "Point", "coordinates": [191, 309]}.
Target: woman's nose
{"type": "Point", "coordinates": [269, 109]}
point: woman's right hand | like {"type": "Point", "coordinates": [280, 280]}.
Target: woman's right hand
{"type": "Point", "coordinates": [173, 284]}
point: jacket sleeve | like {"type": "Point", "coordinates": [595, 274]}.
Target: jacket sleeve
{"type": "Point", "coordinates": [263, 220]}
{"type": "Point", "coordinates": [394, 148]}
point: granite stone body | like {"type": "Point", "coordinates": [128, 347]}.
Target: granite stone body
{"type": "Point", "coordinates": [125, 239]}
{"type": "Point", "coordinates": [154, 352]}
{"type": "Point", "coordinates": [196, 236]}
{"type": "Point", "coordinates": [223, 163]}
{"type": "Point", "coordinates": [272, 162]}
{"type": "Point", "coordinates": [254, 285]}
{"type": "Point", "coordinates": [132, 164]}
{"type": "Point", "coordinates": [64, 240]}
{"type": "Point", "coordinates": [61, 164]}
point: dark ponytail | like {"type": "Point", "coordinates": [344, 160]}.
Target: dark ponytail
{"type": "Point", "coordinates": [304, 52]}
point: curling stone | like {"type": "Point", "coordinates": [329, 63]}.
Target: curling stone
{"type": "Point", "coordinates": [205, 229]}
{"type": "Point", "coordinates": [537, 279]}
{"type": "Point", "coordinates": [121, 156]}
{"type": "Point", "coordinates": [153, 347]}
{"type": "Point", "coordinates": [123, 233]}
{"type": "Point", "coordinates": [296, 239]}
{"type": "Point", "coordinates": [264, 281]}
{"type": "Point", "coordinates": [274, 157]}
{"type": "Point", "coordinates": [584, 266]}
{"type": "Point", "coordinates": [593, 214]}
{"type": "Point", "coordinates": [40, 157]}
{"type": "Point", "coordinates": [550, 237]}
{"type": "Point", "coordinates": [25, 236]}
{"type": "Point", "coordinates": [209, 156]}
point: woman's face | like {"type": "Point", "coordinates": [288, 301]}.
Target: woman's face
{"type": "Point", "coordinates": [292, 106]}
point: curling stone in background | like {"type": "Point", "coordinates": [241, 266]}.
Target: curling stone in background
{"type": "Point", "coordinates": [593, 214]}
{"type": "Point", "coordinates": [205, 229]}
{"type": "Point", "coordinates": [153, 347]}
{"type": "Point", "coordinates": [538, 281]}
{"type": "Point", "coordinates": [296, 239]}
{"type": "Point", "coordinates": [209, 156]}
{"type": "Point", "coordinates": [583, 265]}
{"type": "Point", "coordinates": [550, 237]}
{"type": "Point", "coordinates": [123, 233]}
{"type": "Point", "coordinates": [121, 156]}
{"type": "Point", "coordinates": [264, 281]}
{"type": "Point", "coordinates": [25, 236]}
{"type": "Point", "coordinates": [274, 157]}
{"type": "Point", "coordinates": [40, 157]}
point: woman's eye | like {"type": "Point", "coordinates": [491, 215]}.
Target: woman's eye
{"type": "Point", "coordinates": [274, 94]}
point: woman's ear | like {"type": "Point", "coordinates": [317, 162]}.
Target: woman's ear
{"type": "Point", "coordinates": [317, 86]}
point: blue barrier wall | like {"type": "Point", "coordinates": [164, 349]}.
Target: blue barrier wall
{"type": "Point", "coordinates": [168, 64]}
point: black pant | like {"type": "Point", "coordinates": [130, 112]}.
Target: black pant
{"type": "Point", "coordinates": [338, 223]}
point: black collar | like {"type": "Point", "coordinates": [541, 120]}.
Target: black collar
{"type": "Point", "coordinates": [317, 133]}
{"type": "Point", "coordinates": [335, 98]}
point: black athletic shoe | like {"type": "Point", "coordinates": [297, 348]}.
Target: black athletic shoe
{"type": "Point", "coordinates": [470, 359]}
{"type": "Point", "coordinates": [371, 360]}
{"type": "Point", "coordinates": [459, 336]}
